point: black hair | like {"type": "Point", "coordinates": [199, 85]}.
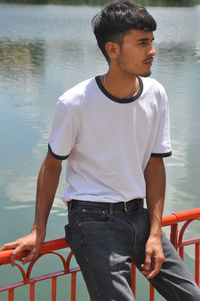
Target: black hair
{"type": "Point", "coordinates": [116, 19]}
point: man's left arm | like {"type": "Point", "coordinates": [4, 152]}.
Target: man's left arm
{"type": "Point", "coordinates": [155, 193]}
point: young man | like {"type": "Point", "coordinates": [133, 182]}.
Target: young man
{"type": "Point", "coordinates": [114, 132]}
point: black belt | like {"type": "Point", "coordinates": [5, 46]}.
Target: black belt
{"type": "Point", "coordinates": [132, 205]}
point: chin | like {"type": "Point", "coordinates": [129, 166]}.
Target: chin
{"type": "Point", "coordinates": [145, 74]}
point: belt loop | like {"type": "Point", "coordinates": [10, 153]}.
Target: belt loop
{"type": "Point", "coordinates": [125, 207]}
{"type": "Point", "coordinates": [111, 209]}
{"type": "Point", "coordinates": [69, 205]}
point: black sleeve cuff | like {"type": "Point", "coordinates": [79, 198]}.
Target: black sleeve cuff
{"type": "Point", "coordinates": [56, 156]}
{"type": "Point", "coordinates": [162, 155]}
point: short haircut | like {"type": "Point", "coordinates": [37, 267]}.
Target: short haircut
{"type": "Point", "coordinates": [116, 19]}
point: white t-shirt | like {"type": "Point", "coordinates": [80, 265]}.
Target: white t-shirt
{"type": "Point", "coordinates": [108, 141]}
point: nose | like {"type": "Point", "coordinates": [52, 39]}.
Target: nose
{"type": "Point", "coordinates": [152, 50]}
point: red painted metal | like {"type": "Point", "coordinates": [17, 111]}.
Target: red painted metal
{"type": "Point", "coordinates": [32, 291]}
{"type": "Point", "coordinates": [151, 293]}
{"type": "Point", "coordinates": [73, 286]}
{"type": "Point", "coordinates": [176, 237]}
{"type": "Point", "coordinates": [197, 265]}
{"type": "Point", "coordinates": [11, 294]}
{"type": "Point", "coordinates": [47, 247]}
{"type": "Point", "coordinates": [133, 279]}
{"type": "Point", "coordinates": [53, 293]}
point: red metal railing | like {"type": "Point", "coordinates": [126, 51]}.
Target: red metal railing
{"type": "Point", "coordinates": [176, 237]}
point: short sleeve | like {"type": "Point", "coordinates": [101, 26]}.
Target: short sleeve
{"type": "Point", "coordinates": [162, 143]}
{"type": "Point", "coordinates": [64, 131]}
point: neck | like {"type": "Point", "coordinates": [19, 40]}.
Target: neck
{"type": "Point", "coordinates": [120, 85]}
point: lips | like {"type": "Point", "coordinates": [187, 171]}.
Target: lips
{"type": "Point", "coordinates": [148, 61]}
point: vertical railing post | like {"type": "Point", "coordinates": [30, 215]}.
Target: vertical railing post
{"type": "Point", "coordinates": [174, 235]}
{"type": "Point", "coordinates": [181, 252]}
{"type": "Point", "coordinates": [11, 294]}
{"type": "Point", "coordinates": [73, 286]}
{"type": "Point", "coordinates": [133, 279]}
{"type": "Point", "coordinates": [197, 263]}
{"type": "Point", "coordinates": [151, 293]}
{"type": "Point", "coordinates": [32, 291]}
{"type": "Point", "coordinates": [53, 292]}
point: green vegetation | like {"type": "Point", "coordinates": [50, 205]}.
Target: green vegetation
{"type": "Point", "coordinates": [101, 2]}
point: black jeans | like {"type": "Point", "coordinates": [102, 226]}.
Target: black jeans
{"type": "Point", "coordinates": [106, 240]}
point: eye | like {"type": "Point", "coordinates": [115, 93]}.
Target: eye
{"type": "Point", "coordinates": [143, 43]}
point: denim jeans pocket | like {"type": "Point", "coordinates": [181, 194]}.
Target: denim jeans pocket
{"type": "Point", "coordinates": [143, 226]}
{"type": "Point", "coordinates": [92, 215]}
{"type": "Point", "coordinates": [68, 233]}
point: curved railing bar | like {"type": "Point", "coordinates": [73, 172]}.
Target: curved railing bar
{"type": "Point", "coordinates": [69, 257]}
{"type": "Point", "coordinates": [180, 238]}
{"type": "Point", "coordinates": [19, 283]}
{"type": "Point", "coordinates": [31, 265]}
{"type": "Point", "coordinates": [22, 272]}
{"type": "Point", "coordinates": [182, 231]}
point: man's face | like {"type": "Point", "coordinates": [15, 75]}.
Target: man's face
{"type": "Point", "coordinates": [137, 52]}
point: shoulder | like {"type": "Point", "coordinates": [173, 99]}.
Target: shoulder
{"type": "Point", "coordinates": [151, 85]}
{"type": "Point", "coordinates": [154, 92]}
{"type": "Point", "coordinates": [75, 96]}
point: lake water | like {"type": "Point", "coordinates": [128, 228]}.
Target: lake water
{"type": "Point", "coordinates": [46, 49]}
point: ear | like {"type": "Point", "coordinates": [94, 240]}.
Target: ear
{"type": "Point", "coordinates": [112, 49]}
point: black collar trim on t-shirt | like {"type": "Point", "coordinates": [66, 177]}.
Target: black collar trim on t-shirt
{"type": "Point", "coordinates": [116, 99]}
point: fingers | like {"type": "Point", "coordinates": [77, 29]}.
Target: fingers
{"type": "Point", "coordinates": [151, 268]}
{"type": "Point", "coordinates": [30, 256]}
{"type": "Point", "coordinates": [17, 248]}
{"type": "Point", "coordinates": [154, 257]}
{"type": "Point", "coordinates": [16, 253]}
{"type": "Point", "coordinates": [27, 247]}
{"type": "Point", "coordinates": [155, 268]}
{"type": "Point", "coordinates": [148, 263]}
{"type": "Point", "coordinates": [147, 267]}
{"type": "Point", "coordinates": [9, 246]}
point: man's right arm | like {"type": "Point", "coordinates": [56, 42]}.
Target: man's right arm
{"type": "Point", "coordinates": [48, 180]}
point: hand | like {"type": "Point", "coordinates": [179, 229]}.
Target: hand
{"type": "Point", "coordinates": [31, 243]}
{"type": "Point", "coordinates": [154, 257]}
